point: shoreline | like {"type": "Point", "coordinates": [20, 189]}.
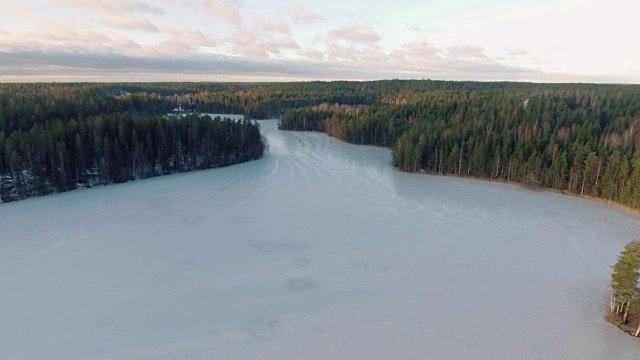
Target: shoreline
{"type": "Point", "coordinates": [612, 203]}
{"type": "Point", "coordinates": [618, 205]}
{"type": "Point", "coordinates": [615, 204]}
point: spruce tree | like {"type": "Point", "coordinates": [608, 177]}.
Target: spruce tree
{"type": "Point", "coordinates": [624, 282]}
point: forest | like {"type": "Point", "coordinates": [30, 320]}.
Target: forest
{"type": "Point", "coordinates": [580, 139]}
{"type": "Point", "coordinates": [575, 138]}
{"type": "Point", "coordinates": [98, 150]}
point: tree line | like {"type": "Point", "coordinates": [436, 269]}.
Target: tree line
{"type": "Point", "coordinates": [23, 105]}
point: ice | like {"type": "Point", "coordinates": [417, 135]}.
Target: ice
{"type": "Point", "coordinates": [320, 250]}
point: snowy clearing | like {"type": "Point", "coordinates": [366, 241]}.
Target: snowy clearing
{"type": "Point", "coordinates": [320, 250]}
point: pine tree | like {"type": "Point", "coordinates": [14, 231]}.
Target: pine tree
{"type": "Point", "coordinates": [624, 282]}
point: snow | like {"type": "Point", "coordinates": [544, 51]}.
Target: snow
{"type": "Point", "coordinates": [320, 250]}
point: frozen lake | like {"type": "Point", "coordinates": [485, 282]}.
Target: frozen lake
{"type": "Point", "coordinates": [320, 250]}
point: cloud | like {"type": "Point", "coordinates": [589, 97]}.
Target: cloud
{"type": "Point", "coordinates": [18, 10]}
{"type": "Point", "coordinates": [311, 54]}
{"type": "Point", "coordinates": [110, 7]}
{"type": "Point", "coordinates": [349, 53]}
{"type": "Point", "coordinates": [422, 29]}
{"type": "Point", "coordinates": [464, 52]}
{"type": "Point", "coordinates": [140, 6]}
{"type": "Point", "coordinates": [83, 66]}
{"type": "Point", "coordinates": [189, 40]}
{"type": "Point", "coordinates": [270, 27]}
{"type": "Point", "coordinates": [515, 53]}
{"type": "Point", "coordinates": [258, 55]}
{"type": "Point", "coordinates": [124, 22]}
{"type": "Point", "coordinates": [58, 66]}
{"type": "Point", "coordinates": [42, 63]}
{"type": "Point", "coordinates": [416, 51]}
{"type": "Point", "coordinates": [256, 45]}
{"type": "Point", "coordinates": [303, 16]}
{"type": "Point", "coordinates": [354, 34]}
{"type": "Point", "coordinates": [424, 60]}
{"type": "Point", "coordinates": [55, 35]}
{"type": "Point", "coordinates": [262, 38]}
{"type": "Point", "coordinates": [224, 11]}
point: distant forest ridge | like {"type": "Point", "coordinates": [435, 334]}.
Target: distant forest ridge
{"type": "Point", "coordinates": [579, 138]}
{"type": "Point", "coordinates": [23, 105]}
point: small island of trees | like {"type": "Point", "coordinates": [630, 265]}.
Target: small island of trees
{"type": "Point", "coordinates": [624, 308]}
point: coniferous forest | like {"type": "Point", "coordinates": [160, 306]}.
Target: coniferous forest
{"type": "Point", "coordinates": [577, 138]}
{"type": "Point", "coordinates": [60, 137]}
{"type": "Point", "coordinates": [61, 156]}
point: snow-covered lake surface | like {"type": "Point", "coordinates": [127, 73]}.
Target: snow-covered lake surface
{"type": "Point", "coordinates": [320, 250]}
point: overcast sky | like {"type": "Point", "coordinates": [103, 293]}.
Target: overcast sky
{"type": "Point", "coordinates": [262, 40]}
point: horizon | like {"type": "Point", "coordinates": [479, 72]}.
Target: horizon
{"type": "Point", "coordinates": [284, 41]}
{"type": "Point", "coordinates": [286, 81]}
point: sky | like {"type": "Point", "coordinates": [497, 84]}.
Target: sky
{"type": "Point", "coordinates": [284, 40]}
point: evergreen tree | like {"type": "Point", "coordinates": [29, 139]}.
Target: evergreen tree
{"type": "Point", "coordinates": [624, 284]}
